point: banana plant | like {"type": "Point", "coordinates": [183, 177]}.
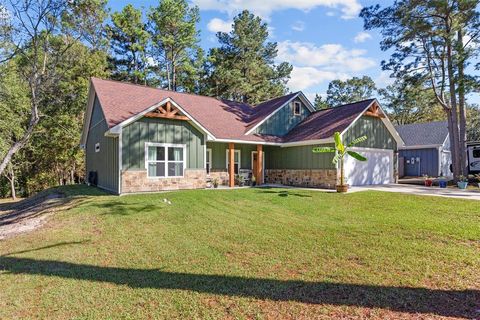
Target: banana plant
{"type": "Point", "coordinates": [341, 150]}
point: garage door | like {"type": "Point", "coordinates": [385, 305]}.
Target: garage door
{"type": "Point", "coordinates": [378, 169]}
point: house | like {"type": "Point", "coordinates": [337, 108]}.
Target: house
{"type": "Point", "coordinates": [140, 139]}
{"type": "Point", "coordinates": [426, 150]}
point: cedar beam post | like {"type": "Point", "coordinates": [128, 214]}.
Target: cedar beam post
{"type": "Point", "coordinates": [259, 164]}
{"type": "Point", "coordinates": [231, 165]}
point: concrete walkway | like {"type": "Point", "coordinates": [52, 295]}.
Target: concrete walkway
{"type": "Point", "coordinates": [424, 191]}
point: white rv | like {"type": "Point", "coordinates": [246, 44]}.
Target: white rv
{"type": "Point", "coordinates": [473, 153]}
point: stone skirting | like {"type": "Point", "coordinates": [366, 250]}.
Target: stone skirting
{"type": "Point", "coordinates": [317, 178]}
{"type": "Point", "coordinates": [137, 181]}
{"type": "Point", "coordinates": [220, 175]}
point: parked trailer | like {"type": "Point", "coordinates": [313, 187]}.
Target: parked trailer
{"type": "Point", "coordinates": [473, 154]}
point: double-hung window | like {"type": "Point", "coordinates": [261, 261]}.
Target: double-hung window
{"type": "Point", "coordinates": [208, 163]}
{"type": "Point", "coordinates": [236, 160]}
{"type": "Point", "coordinates": [165, 160]}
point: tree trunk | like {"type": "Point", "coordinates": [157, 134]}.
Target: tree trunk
{"type": "Point", "coordinates": [461, 105]}
{"type": "Point", "coordinates": [455, 135]}
{"type": "Point", "coordinates": [12, 184]}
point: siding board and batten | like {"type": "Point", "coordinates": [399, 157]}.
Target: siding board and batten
{"type": "Point", "coordinates": [104, 162]}
{"type": "Point", "coordinates": [283, 120]}
{"type": "Point", "coordinates": [158, 130]}
{"type": "Point", "coordinates": [377, 134]}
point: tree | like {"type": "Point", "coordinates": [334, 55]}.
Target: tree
{"type": "Point", "coordinates": [409, 102]}
{"type": "Point", "coordinates": [320, 103]}
{"type": "Point", "coordinates": [427, 39]}
{"type": "Point", "coordinates": [128, 40]}
{"type": "Point", "coordinates": [473, 123]}
{"type": "Point", "coordinates": [341, 149]}
{"type": "Point", "coordinates": [27, 28]}
{"type": "Point", "coordinates": [243, 67]}
{"type": "Point", "coordinates": [352, 90]}
{"type": "Point", "coordinates": [173, 29]}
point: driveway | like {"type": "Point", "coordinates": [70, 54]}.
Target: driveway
{"type": "Point", "coordinates": [421, 190]}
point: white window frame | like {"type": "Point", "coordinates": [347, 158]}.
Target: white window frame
{"type": "Point", "coordinates": [166, 146]}
{"type": "Point", "coordinates": [208, 160]}
{"type": "Point", "coordinates": [239, 159]}
{"type": "Point", "coordinates": [299, 104]}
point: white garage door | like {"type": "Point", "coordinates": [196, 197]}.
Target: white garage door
{"type": "Point", "coordinates": [378, 169]}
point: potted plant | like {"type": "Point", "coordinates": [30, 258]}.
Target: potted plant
{"type": "Point", "coordinates": [254, 181]}
{"type": "Point", "coordinates": [462, 182]}
{"type": "Point", "coordinates": [215, 183]}
{"type": "Point", "coordinates": [427, 180]}
{"type": "Point", "coordinates": [477, 178]}
{"type": "Point", "coordinates": [239, 181]}
{"type": "Point", "coordinates": [442, 182]}
{"type": "Point", "coordinates": [341, 150]}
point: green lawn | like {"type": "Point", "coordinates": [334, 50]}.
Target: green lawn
{"type": "Point", "coordinates": [249, 253]}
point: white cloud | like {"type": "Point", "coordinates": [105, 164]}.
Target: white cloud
{"type": "Point", "coordinates": [305, 77]}
{"type": "Point", "coordinates": [314, 65]}
{"type": "Point", "coordinates": [362, 37]}
{"type": "Point", "coordinates": [348, 8]}
{"type": "Point", "coordinates": [329, 56]}
{"type": "Point", "coordinates": [383, 79]}
{"type": "Point", "coordinates": [219, 25]}
{"type": "Point", "coordinates": [298, 26]}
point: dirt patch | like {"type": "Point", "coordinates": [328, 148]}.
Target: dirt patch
{"type": "Point", "coordinates": [28, 214]}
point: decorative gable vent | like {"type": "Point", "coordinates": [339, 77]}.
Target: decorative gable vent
{"type": "Point", "coordinates": [167, 111]}
{"type": "Point", "coordinates": [374, 111]}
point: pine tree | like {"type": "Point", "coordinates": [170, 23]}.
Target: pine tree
{"type": "Point", "coordinates": [173, 29]}
{"type": "Point", "coordinates": [243, 68]}
{"type": "Point", "coordinates": [129, 39]}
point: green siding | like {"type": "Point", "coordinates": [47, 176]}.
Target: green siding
{"type": "Point", "coordinates": [300, 157]}
{"type": "Point", "coordinates": [283, 120]}
{"type": "Point", "coordinates": [377, 134]}
{"type": "Point", "coordinates": [219, 155]}
{"type": "Point", "coordinates": [136, 134]}
{"type": "Point", "coordinates": [105, 162]}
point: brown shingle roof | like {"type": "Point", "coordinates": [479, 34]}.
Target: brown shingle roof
{"type": "Point", "coordinates": [324, 123]}
{"type": "Point", "coordinates": [223, 118]}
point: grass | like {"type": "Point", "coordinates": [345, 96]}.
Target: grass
{"type": "Point", "coordinates": [249, 253]}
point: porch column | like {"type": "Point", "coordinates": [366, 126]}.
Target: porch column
{"type": "Point", "coordinates": [259, 168]}
{"type": "Point", "coordinates": [231, 165]}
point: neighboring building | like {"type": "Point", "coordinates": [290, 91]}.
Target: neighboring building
{"type": "Point", "coordinates": [473, 156]}
{"type": "Point", "coordinates": [426, 150]}
{"type": "Point", "coordinates": [140, 139]}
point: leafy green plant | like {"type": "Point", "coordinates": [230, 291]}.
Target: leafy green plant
{"type": "Point", "coordinates": [341, 150]}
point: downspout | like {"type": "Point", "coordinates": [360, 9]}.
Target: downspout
{"type": "Point", "coordinates": [120, 163]}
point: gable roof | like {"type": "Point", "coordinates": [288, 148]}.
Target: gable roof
{"type": "Point", "coordinates": [424, 134]}
{"type": "Point", "coordinates": [324, 123]}
{"type": "Point", "coordinates": [221, 120]}
{"type": "Point", "coordinates": [224, 119]}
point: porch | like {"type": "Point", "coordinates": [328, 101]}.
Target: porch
{"type": "Point", "coordinates": [229, 163]}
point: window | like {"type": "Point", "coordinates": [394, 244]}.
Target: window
{"type": "Point", "coordinates": [165, 160]}
{"type": "Point", "coordinates": [208, 160]}
{"type": "Point", "coordinates": [97, 147]}
{"type": "Point", "coordinates": [476, 153]}
{"type": "Point", "coordinates": [236, 161]}
{"type": "Point", "coordinates": [297, 108]}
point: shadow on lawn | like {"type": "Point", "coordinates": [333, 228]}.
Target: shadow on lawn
{"type": "Point", "coordinates": [285, 193]}
{"type": "Point", "coordinates": [413, 300]}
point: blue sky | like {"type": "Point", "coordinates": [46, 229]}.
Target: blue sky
{"type": "Point", "coordinates": [323, 39]}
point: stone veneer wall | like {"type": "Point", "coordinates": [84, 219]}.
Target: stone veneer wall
{"type": "Point", "coordinates": [319, 178]}
{"type": "Point", "coordinates": [137, 181]}
{"type": "Point", "coordinates": [221, 175]}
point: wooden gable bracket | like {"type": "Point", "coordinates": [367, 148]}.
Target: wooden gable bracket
{"type": "Point", "coordinates": [167, 111]}
{"type": "Point", "coordinates": [374, 111]}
